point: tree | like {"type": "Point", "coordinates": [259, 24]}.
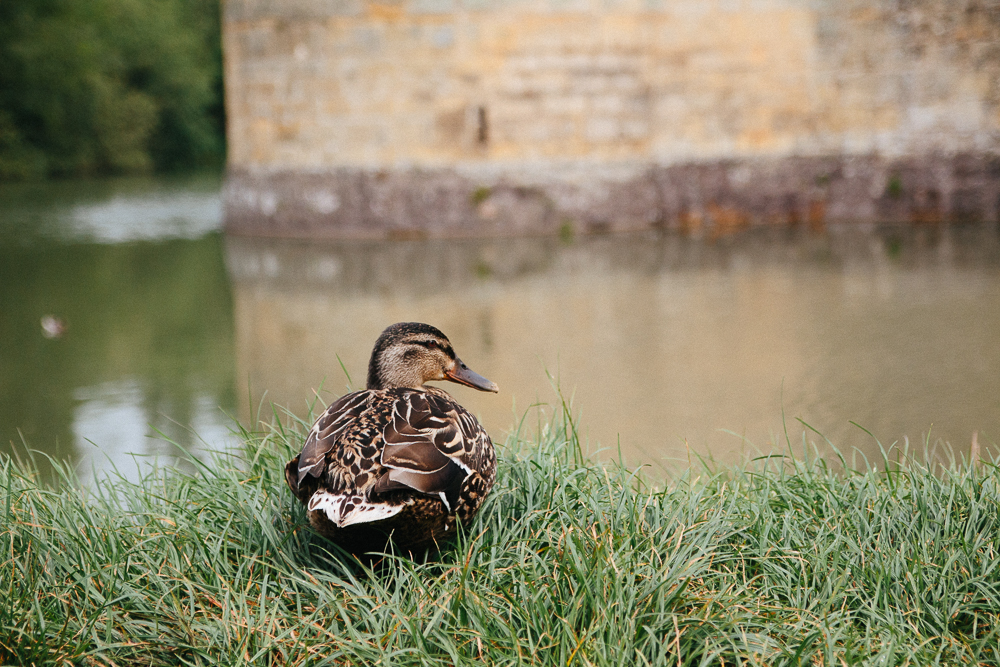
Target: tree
{"type": "Point", "coordinates": [108, 86]}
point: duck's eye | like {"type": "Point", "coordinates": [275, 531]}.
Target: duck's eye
{"type": "Point", "coordinates": [432, 345]}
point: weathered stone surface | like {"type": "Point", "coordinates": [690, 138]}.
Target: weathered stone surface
{"type": "Point", "coordinates": [712, 198]}
{"type": "Point", "coordinates": [395, 117]}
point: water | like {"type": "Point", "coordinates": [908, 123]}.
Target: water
{"type": "Point", "coordinates": [669, 348]}
{"type": "Point", "coordinates": [132, 272]}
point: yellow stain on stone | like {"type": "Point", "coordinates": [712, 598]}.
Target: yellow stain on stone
{"type": "Point", "coordinates": [385, 10]}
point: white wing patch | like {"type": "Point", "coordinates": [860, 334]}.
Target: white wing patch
{"type": "Point", "coordinates": [444, 499]}
{"type": "Point", "coordinates": [347, 509]}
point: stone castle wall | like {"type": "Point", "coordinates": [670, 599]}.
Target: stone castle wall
{"type": "Point", "coordinates": [375, 118]}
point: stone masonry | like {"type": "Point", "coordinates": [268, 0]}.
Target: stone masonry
{"type": "Point", "coordinates": [383, 118]}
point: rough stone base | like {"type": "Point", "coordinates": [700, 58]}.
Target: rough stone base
{"type": "Point", "coordinates": [711, 199]}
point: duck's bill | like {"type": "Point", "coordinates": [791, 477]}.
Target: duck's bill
{"type": "Point", "coordinates": [462, 374]}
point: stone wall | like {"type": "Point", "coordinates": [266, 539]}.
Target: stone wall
{"type": "Point", "coordinates": [467, 117]}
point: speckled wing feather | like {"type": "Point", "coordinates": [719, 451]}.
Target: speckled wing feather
{"type": "Point", "coordinates": [342, 414]}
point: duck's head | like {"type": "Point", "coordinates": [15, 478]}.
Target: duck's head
{"type": "Point", "coordinates": [408, 354]}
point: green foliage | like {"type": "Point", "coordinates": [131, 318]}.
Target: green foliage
{"type": "Point", "coordinates": [566, 231]}
{"type": "Point", "coordinates": [894, 188]}
{"type": "Point", "coordinates": [569, 563]}
{"type": "Point", "coordinates": [480, 194]}
{"type": "Point", "coordinates": [108, 86]}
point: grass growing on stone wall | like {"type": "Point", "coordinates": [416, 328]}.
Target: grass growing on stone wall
{"type": "Point", "coordinates": [569, 563]}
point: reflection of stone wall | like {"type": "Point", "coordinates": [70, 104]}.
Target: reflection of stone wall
{"type": "Point", "coordinates": [659, 338]}
{"type": "Point", "coordinates": [399, 272]}
{"type": "Point", "coordinates": [460, 117]}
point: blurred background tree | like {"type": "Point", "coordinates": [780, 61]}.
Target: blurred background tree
{"type": "Point", "coordinates": [109, 86]}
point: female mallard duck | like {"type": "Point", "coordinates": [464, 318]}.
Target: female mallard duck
{"type": "Point", "coordinates": [398, 459]}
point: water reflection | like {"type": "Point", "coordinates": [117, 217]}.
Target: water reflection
{"type": "Point", "coordinates": [675, 347]}
{"type": "Point", "coordinates": [144, 351]}
{"type": "Point", "coordinates": [110, 210]}
{"type": "Point", "coordinates": [670, 347]}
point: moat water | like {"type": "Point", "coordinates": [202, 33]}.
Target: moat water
{"type": "Point", "coordinates": [134, 330]}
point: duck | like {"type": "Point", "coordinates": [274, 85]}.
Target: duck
{"type": "Point", "coordinates": [400, 461]}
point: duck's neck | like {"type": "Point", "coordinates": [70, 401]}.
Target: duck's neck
{"type": "Point", "coordinates": [387, 370]}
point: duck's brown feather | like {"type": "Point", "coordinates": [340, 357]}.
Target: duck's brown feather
{"type": "Point", "coordinates": [413, 448]}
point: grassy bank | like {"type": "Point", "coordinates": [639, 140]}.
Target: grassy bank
{"type": "Point", "coordinates": [569, 563]}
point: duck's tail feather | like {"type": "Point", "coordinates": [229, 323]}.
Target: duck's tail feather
{"type": "Point", "coordinates": [346, 509]}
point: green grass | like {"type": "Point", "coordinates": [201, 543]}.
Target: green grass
{"type": "Point", "coordinates": [568, 563]}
